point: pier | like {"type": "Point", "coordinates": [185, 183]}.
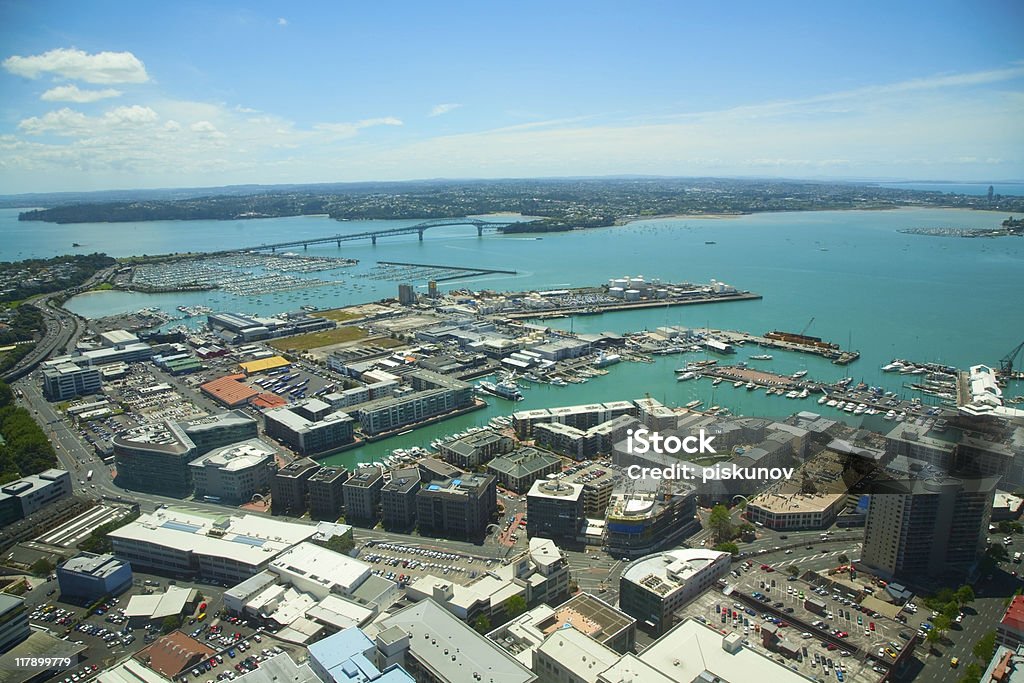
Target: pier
{"type": "Point", "coordinates": [598, 308]}
{"type": "Point", "coordinates": [831, 351]}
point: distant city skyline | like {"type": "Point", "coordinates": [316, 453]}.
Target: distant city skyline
{"type": "Point", "coordinates": [99, 96]}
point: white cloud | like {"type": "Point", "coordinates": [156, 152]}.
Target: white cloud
{"type": "Point", "coordinates": [74, 64]}
{"type": "Point", "coordinates": [281, 21]}
{"type": "Point", "coordinates": [72, 93]}
{"type": "Point", "coordinates": [172, 126]}
{"type": "Point", "coordinates": [132, 115]}
{"type": "Point", "coordinates": [441, 109]}
{"type": "Point", "coordinates": [61, 122]}
{"type": "Point", "coordinates": [207, 129]}
{"type": "Point", "coordinates": [347, 130]}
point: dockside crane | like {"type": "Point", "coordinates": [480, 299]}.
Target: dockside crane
{"type": "Point", "coordinates": [1007, 362]}
{"type": "Point", "coordinates": [807, 326]}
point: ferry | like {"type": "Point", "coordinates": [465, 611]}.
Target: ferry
{"type": "Point", "coordinates": [506, 390]}
{"type": "Point", "coordinates": [686, 376]}
{"type": "Point", "coordinates": [762, 356]}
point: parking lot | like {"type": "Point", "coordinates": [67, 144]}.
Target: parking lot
{"type": "Point", "coordinates": [405, 563]}
{"type": "Point", "coordinates": [842, 625]}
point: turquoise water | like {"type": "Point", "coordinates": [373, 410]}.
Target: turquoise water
{"type": "Point", "coordinates": [868, 287]}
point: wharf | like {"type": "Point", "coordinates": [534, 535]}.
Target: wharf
{"type": "Point", "coordinates": [835, 354]}
{"type": "Point", "coordinates": [599, 308]}
{"type": "Point", "coordinates": [462, 269]}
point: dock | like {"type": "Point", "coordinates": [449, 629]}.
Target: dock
{"type": "Point", "coordinates": [599, 308]}
{"type": "Point", "coordinates": [464, 270]}
{"type": "Point", "coordinates": [777, 341]}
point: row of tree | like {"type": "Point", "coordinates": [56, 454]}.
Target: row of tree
{"type": "Point", "coordinates": [25, 450]}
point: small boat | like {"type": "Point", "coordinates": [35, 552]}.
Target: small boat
{"type": "Point", "coordinates": [803, 394]}
{"type": "Point", "coordinates": [799, 373]}
{"type": "Point", "coordinates": [823, 400]}
{"type": "Point", "coordinates": [710, 242]}
{"type": "Point", "coordinates": [832, 403]}
{"type": "Point", "coordinates": [762, 356]}
{"type": "Point", "coordinates": [686, 376]}
{"type": "Point", "coordinates": [738, 383]}
{"type": "Point", "coordinates": [751, 386]}
{"type": "Point", "coordinates": [792, 394]}
{"type": "Point", "coordinates": [891, 415]}
{"type": "Point", "coordinates": [693, 404]}
{"type": "Point", "coordinates": [718, 380]}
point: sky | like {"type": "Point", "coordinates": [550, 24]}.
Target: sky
{"type": "Point", "coordinates": [119, 95]}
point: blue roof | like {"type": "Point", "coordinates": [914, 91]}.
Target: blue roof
{"type": "Point", "coordinates": [335, 650]}
{"type": "Point", "coordinates": [248, 540]}
{"type": "Point", "coordinates": [181, 526]}
{"type": "Point", "coordinates": [433, 487]}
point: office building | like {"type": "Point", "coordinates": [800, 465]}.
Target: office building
{"type": "Point", "coordinates": [326, 493]}
{"type": "Point", "coordinates": [348, 657]}
{"type": "Point", "coordinates": [234, 474]}
{"type": "Point", "coordinates": [222, 429]}
{"type": "Point", "coordinates": [795, 511]}
{"type": "Point", "coordinates": [475, 449]}
{"type": "Point", "coordinates": [1006, 666]}
{"type": "Point", "coordinates": [638, 524]}
{"type": "Point", "coordinates": [391, 413]}
{"type": "Point", "coordinates": [1010, 630]}
{"type": "Point", "coordinates": [310, 427]}
{"type": "Point", "coordinates": [362, 495]}
{"type": "Point", "coordinates": [13, 621]}
{"type": "Point", "coordinates": [571, 656]}
{"type": "Point", "coordinates": [289, 488]}
{"type": "Point", "coordinates": [581, 417]}
{"type": "Point", "coordinates": [318, 571]}
{"type": "Point", "coordinates": [435, 646]}
{"type": "Point", "coordinates": [63, 381]}
{"type": "Point", "coordinates": [554, 509]}
{"type": "Point", "coordinates": [155, 458]}
{"type": "Point", "coordinates": [654, 587]}
{"type": "Point", "coordinates": [398, 499]}
{"type": "Point", "coordinates": [22, 497]}
{"type": "Point", "coordinates": [599, 482]}
{"type": "Point", "coordinates": [177, 543]}
{"type": "Point", "coordinates": [927, 528]}
{"type": "Point", "coordinates": [461, 506]}
{"type": "Point", "coordinates": [406, 295]}
{"type": "Point", "coordinates": [88, 577]}
{"type": "Point", "coordinates": [519, 469]}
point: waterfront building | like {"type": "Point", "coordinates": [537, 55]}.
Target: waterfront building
{"type": "Point", "coordinates": [88, 577]}
{"type": "Point", "coordinates": [309, 427]}
{"type": "Point", "coordinates": [222, 429]}
{"type": "Point", "coordinates": [326, 493]}
{"type": "Point", "coordinates": [461, 506]}
{"type": "Point", "coordinates": [582, 417]}
{"type": "Point", "coordinates": [155, 458]}
{"type": "Point", "coordinates": [362, 495]}
{"type": "Point", "coordinates": [289, 488]}
{"type": "Point", "coordinates": [476, 448]}
{"type": "Point", "coordinates": [236, 473]}
{"type": "Point", "coordinates": [519, 469]}
{"type": "Point", "coordinates": [927, 528]}
{"type": "Point", "coordinates": [654, 587]}
{"type": "Point", "coordinates": [398, 499]}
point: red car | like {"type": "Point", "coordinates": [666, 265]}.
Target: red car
{"type": "Point", "coordinates": [832, 647]}
{"type": "Point", "coordinates": [871, 625]}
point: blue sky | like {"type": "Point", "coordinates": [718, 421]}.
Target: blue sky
{"type": "Point", "coordinates": [104, 95]}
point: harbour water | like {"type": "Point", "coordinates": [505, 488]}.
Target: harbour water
{"type": "Point", "coordinates": [867, 287]}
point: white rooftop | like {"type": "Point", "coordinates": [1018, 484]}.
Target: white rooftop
{"type": "Point", "coordinates": [237, 456]}
{"type": "Point", "coordinates": [246, 539]}
{"type": "Point", "coordinates": [584, 657]}
{"type": "Point", "coordinates": [308, 562]}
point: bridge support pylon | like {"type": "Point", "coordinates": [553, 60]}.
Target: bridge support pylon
{"type": "Point", "coordinates": [373, 239]}
{"type": "Point", "coordinates": [479, 231]}
{"type": "Point", "coordinates": [420, 231]}
{"type": "Point", "coordinates": [339, 244]}
{"type": "Point", "coordinates": [305, 247]}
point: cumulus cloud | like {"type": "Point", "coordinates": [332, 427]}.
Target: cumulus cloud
{"type": "Point", "coordinates": [281, 21]}
{"type": "Point", "coordinates": [72, 93]}
{"type": "Point", "coordinates": [206, 129]}
{"type": "Point", "coordinates": [134, 114]}
{"type": "Point", "coordinates": [441, 109]}
{"type": "Point", "coordinates": [74, 64]}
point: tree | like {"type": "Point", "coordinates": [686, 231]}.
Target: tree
{"type": "Point", "coordinates": [986, 647]}
{"type": "Point", "coordinates": [171, 623]}
{"type": "Point", "coordinates": [727, 547]}
{"type": "Point", "coordinates": [972, 673]}
{"type": "Point", "coordinates": [482, 624]}
{"type": "Point", "coordinates": [998, 553]}
{"type": "Point", "coordinates": [41, 567]}
{"type": "Point", "coordinates": [515, 606]}
{"type": "Point", "coordinates": [793, 570]}
{"type": "Point", "coordinates": [965, 594]}
{"type": "Point", "coordinates": [720, 523]}
{"type": "Point", "coordinates": [933, 637]}
{"type": "Point", "coordinates": [843, 558]}
{"type": "Point", "coordinates": [941, 624]}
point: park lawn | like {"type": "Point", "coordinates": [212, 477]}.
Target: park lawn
{"type": "Point", "coordinates": [337, 314]}
{"type": "Point", "coordinates": [314, 340]}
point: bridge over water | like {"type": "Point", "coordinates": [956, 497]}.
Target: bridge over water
{"type": "Point", "coordinates": [373, 235]}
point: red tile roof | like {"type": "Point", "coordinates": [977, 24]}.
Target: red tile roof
{"type": "Point", "coordinates": [1014, 617]}
{"type": "Point", "coordinates": [228, 390]}
{"type": "Point", "coordinates": [174, 653]}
